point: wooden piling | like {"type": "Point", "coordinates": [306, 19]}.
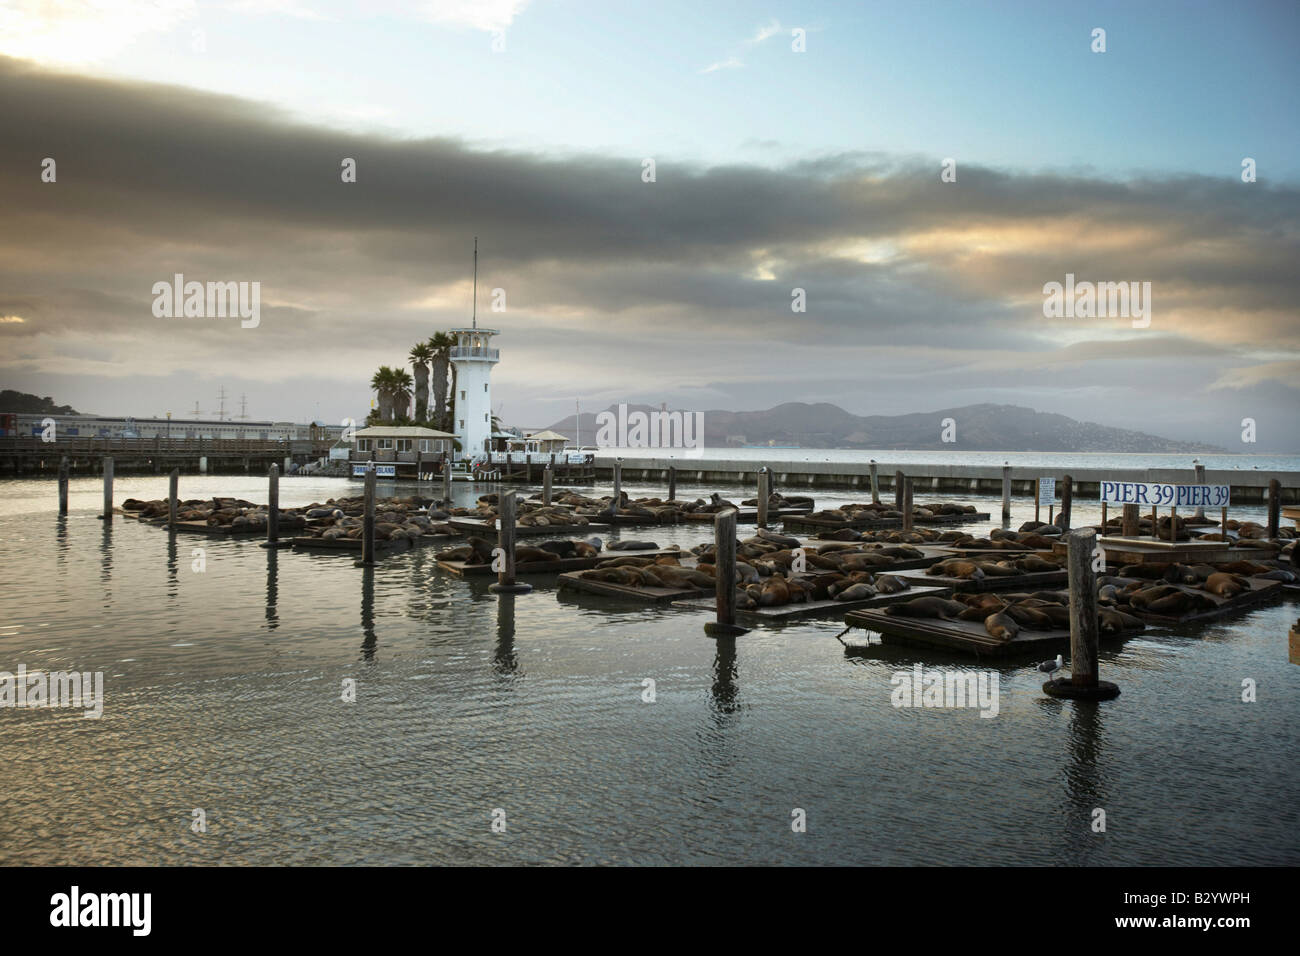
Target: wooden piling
{"type": "Point", "coordinates": [724, 542]}
{"type": "Point", "coordinates": [898, 491]}
{"type": "Point", "coordinates": [907, 504]}
{"type": "Point", "coordinates": [1274, 507]}
{"type": "Point", "coordinates": [618, 485]}
{"type": "Point", "coordinates": [446, 478]}
{"type": "Point", "coordinates": [546, 485]}
{"type": "Point", "coordinates": [672, 483]}
{"type": "Point", "coordinates": [875, 484]}
{"type": "Point", "coordinates": [1067, 502]}
{"type": "Point", "coordinates": [368, 521]}
{"type": "Point", "coordinates": [1130, 521]}
{"type": "Point", "coordinates": [1038, 508]}
{"type": "Point", "coordinates": [763, 494]}
{"type": "Point", "coordinates": [1006, 492]}
{"type": "Point", "coordinates": [1173, 524]}
{"type": "Point", "coordinates": [63, 485]}
{"type": "Point", "coordinates": [1085, 630]}
{"type": "Point", "coordinates": [173, 496]}
{"type": "Point", "coordinates": [1200, 480]}
{"type": "Point", "coordinates": [273, 505]}
{"type": "Point", "coordinates": [108, 490]}
{"type": "Point", "coordinates": [506, 583]}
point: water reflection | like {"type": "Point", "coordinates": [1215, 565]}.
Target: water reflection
{"type": "Point", "coordinates": [272, 588]}
{"type": "Point", "coordinates": [61, 543]}
{"type": "Point", "coordinates": [723, 697]}
{"type": "Point", "coordinates": [1083, 779]}
{"type": "Point", "coordinates": [505, 660]}
{"type": "Point", "coordinates": [106, 562]}
{"type": "Point", "coordinates": [369, 642]}
{"type": "Point", "coordinates": [173, 566]}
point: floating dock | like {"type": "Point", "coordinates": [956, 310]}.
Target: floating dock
{"type": "Point", "coordinates": [488, 528]}
{"type": "Point", "coordinates": [969, 637]}
{"type": "Point", "coordinates": [1034, 581]}
{"type": "Point", "coordinates": [1121, 550]}
{"type": "Point", "coordinates": [558, 566]}
{"type": "Point", "coordinates": [574, 581]}
{"type": "Point", "coordinates": [789, 612]}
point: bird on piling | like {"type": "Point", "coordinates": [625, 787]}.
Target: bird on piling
{"type": "Point", "coordinates": [1051, 667]}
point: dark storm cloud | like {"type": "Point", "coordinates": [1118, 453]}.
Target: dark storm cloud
{"type": "Point", "coordinates": [154, 180]}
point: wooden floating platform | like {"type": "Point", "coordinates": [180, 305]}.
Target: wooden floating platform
{"type": "Point", "coordinates": [1261, 591]}
{"type": "Point", "coordinates": [750, 516]}
{"type": "Point", "coordinates": [811, 523]}
{"type": "Point", "coordinates": [559, 566]}
{"type": "Point", "coordinates": [483, 527]}
{"type": "Point", "coordinates": [808, 522]}
{"type": "Point", "coordinates": [1011, 582]}
{"type": "Point", "coordinates": [1120, 550]}
{"type": "Point", "coordinates": [787, 612]}
{"type": "Point", "coordinates": [574, 581]}
{"type": "Point", "coordinates": [952, 519]}
{"type": "Point", "coordinates": [966, 636]}
{"type": "Point", "coordinates": [353, 545]}
{"type": "Point", "coordinates": [929, 555]}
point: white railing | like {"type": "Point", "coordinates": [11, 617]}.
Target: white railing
{"type": "Point", "coordinates": [460, 352]}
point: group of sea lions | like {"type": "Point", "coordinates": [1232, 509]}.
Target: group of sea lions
{"type": "Point", "coordinates": [479, 551]}
{"type": "Point", "coordinates": [234, 513]}
{"type": "Point", "coordinates": [1006, 615]}
{"type": "Point", "coordinates": [976, 569]}
{"type": "Point", "coordinates": [857, 511]}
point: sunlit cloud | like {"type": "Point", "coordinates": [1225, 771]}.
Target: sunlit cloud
{"type": "Point", "coordinates": [78, 32]}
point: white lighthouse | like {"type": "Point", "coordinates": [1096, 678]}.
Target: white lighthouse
{"type": "Point", "coordinates": [473, 358]}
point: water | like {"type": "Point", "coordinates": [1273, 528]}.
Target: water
{"type": "Point", "coordinates": [223, 687]}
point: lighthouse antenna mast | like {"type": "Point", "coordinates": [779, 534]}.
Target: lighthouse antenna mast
{"type": "Point", "coordinates": [474, 310]}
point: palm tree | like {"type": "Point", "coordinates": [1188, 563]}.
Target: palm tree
{"type": "Point", "coordinates": [400, 395]}
{"type": "Point", "coordinates": [441, 344]}
{"type": "Point", "coordinates": [382, 383]}
{"type": "Point", "coordinates": [421, 354]}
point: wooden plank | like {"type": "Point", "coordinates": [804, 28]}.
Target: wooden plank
{"type": "Point", "coordinates": [966, 636]}
{"type": "Point", "coordinates": [306, 542]}
{"type": "Point", "coordinates": [479, 526]}
{"type": "Point", "coordinates": [787, 612]}
{"type": "Point", "coordinates": [574, 581]}
{"type": "Point", "coordinates": [1012, 582]}
{"type": "Point", "coordinates": [558, 566]}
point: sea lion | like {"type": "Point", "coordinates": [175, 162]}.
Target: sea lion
{"type": "Point", "coordinates": [926, 607]}
{"type": "Point", "coordinates": [1033, 564]}
{"type": "Point", "coordinates": [856, 592]}
{"type": "Point", "coordinates": [1001, 626]}
{"type": "Point", "coordinates": [953, 568]}
{"type": "Point", "coordinates": [783, 540]}
{"type": "Point", "coordinates": [889, 584]}
{"type": "Point", "coordinates": [524, 555]}
{"type": "Point", "coordinates": [633, 546]}
{"type": "Point", "coordinates": [1226, 585]}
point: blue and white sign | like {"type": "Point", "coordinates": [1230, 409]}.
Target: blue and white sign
{"type": "Point", "coordinates": [576, 458]}
{"type": "Point", "coordinates": [1159, 495]}
{"type": "Point", "coordinates": [381, 471]}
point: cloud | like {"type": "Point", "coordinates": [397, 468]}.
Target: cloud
{"type": "Point", "coordinates": [766, 32]}
{"type": "Point", "coordinates": [915, 289]}
{"type": "Point", "coordinates": [730, 63]}
{"type": "Point", "coordinates": [77, 32]}
{"type": "Point", "coordinates": [1285, 372]}
{"type": "Point", "coordinates": [487, 15]}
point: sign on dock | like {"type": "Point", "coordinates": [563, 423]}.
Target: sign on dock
{"type": "Point", "coordinates": [381, 471]}
{"type": "Point", "coordinates": [1155, 494]}
{"type": "Point", "coordinates": [1047, 491]}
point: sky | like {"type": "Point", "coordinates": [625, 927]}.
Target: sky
{"type": "Point", "coordinates": [795, 146]}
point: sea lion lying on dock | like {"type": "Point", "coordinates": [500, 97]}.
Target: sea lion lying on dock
{"type": "Point", "coordinates": [928, 606]}
{"type": "Point", "coordinates": [1226, 585]}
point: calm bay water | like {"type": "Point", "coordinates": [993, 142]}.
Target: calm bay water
{"type": "Point", "coordinates": [223, 687]}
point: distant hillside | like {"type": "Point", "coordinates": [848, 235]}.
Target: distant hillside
{"type": "Point", "coordinates": [21, 403]}
{"type": "Point", "coordinates": [978, 428]}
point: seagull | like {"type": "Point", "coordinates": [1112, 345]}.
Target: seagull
{"type": "Point", "coordinates": [1051, 667]}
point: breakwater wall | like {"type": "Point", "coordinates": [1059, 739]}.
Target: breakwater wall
{"type": "Point", "coordinates": [1247, 486]}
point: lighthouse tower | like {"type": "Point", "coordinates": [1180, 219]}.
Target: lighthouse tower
{"type": "Point", "coordinates": [473, 358]}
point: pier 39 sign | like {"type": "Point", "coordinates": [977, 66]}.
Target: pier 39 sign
{"type": "Point", "coordinates": [1155, 494]}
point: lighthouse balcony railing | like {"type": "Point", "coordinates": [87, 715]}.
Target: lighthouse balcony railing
{"type": "Point", "coordinates": [464, 352]}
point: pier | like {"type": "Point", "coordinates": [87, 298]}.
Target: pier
{"type": "Point", "coordinates": [1248, 486]}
